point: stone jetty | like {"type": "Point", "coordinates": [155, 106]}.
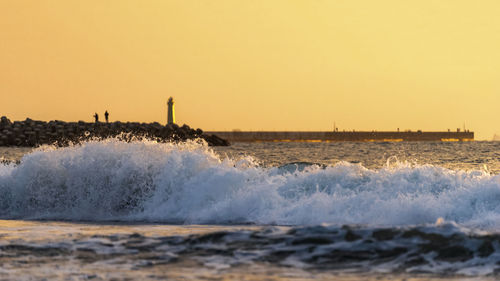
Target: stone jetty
{"type": "Point", "coordinates": [34, 133]}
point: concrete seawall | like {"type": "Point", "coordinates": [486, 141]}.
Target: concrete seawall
{"type": "Point", "coordinates": [263, 136]}
{"type": "Point", "coordinates": [33, 133]}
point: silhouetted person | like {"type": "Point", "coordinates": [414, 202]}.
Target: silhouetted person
{"type": "Point", "coordinates": [96, 116]}
{"type": "Point", "coordinates": [106, 116]}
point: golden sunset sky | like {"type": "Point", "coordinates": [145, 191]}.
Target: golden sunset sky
{"type": "Point", "coordinates": [255, 65]}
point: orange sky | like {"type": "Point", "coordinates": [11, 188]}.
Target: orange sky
{"type": "Point", "coordinates": [252, 65]}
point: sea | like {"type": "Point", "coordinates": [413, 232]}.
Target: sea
{"type": "Point", "coordinates": [143, 210]}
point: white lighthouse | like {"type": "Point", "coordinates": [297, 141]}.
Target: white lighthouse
{"type": "Point", "coordinates": [171, 112]}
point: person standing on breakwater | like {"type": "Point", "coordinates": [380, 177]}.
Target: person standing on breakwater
{"type": "Point", "coordinates": [96, 116]}
{"type": "Point", "coordinates": [106, 116]}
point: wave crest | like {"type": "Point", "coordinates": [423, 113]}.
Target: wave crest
{"type": "Point", "coordinates": [189, 183]}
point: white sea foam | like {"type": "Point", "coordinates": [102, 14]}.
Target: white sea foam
{"type": "Point", "coordinates": [189, 183]}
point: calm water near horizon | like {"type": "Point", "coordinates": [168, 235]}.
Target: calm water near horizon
{"type": "Point", "coordinates": [251, 211]}
{"type": "Point", "coordinates": [453, 155]}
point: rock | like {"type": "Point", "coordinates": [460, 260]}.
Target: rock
{"type": "Point", "coordinates": [31, 132]}
{"type": "Point", "coordinates": [214, 140]}
{"type": "Point", "coordinates": [5, 122]}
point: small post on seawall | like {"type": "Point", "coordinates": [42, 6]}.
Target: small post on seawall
{"type": "Point", "coordinates": [171, 112]}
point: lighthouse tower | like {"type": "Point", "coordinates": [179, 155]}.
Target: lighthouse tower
{"type": "Point", "coordinates": [171, 112]}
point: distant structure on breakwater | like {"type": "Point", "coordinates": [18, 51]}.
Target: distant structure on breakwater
{"type": "Point", "coordinates": [336, 136]}
{"type": "Point", "coordinates": [34, 133]}
{"type": "Point", "coordinates": [170, 112]}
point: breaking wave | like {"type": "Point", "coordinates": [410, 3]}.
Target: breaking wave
{"type": "Point", "coordinates": [189, 183]}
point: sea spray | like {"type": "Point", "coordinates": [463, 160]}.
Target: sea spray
{"type": "Point", "coordinates": [189, 183]}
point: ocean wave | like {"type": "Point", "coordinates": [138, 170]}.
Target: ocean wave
{"type": "Point", "coordinates": [443, 248]}
{"type": "Point", "coordinates": [189, 183]}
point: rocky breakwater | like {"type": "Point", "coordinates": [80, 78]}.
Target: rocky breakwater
{"type": "Point", "coordinates": [34, 133]}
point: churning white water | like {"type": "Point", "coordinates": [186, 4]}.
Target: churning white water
{"type": "Point", "coordinates": [190, 184]}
